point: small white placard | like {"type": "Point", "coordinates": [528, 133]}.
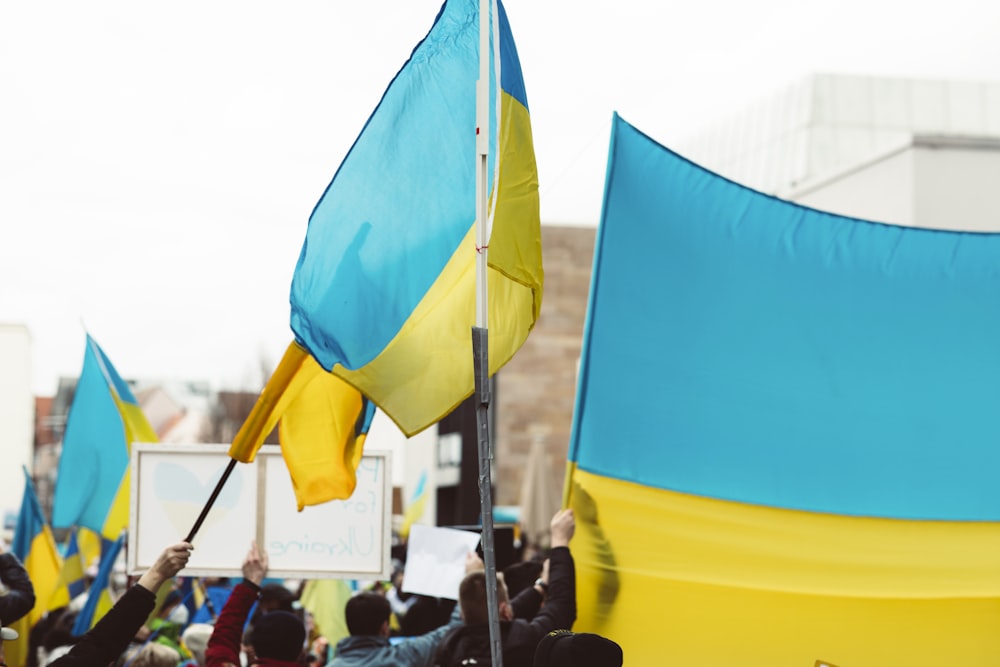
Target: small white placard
{"type": "Point", "coordinates": [435, 560]}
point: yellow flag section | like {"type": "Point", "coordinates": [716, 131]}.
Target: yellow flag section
{"type": "Point", "coordinates": [325, 599]}
{"type": "Point", "coordinates": [323, 425]}
{"type": "Point", "coordinates": [678, 579]}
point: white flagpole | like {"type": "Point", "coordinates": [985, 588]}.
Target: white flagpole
{"type": "Point", "coordinates": [480, 341]}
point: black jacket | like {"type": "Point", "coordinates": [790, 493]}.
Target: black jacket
{"type": "Point", "coordinates": [520, 637]}
{"type": "Point", "coordinates": [20, 597]}
{"type": "Point", "coordinates": [107, 640]}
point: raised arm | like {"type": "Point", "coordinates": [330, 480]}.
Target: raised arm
{"type": "Point", "coordinates": [106, 641]}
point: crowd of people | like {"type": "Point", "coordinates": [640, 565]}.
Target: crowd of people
{"type": "Point", "coordinates": [260, 624]}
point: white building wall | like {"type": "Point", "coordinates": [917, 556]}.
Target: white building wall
{"type": "Point", "coordinates": [828, 123]}
{"type": "Point", "coordinates": [957, 188]}
{"type": "Point", "coordinates": [882, 190]}
{"type": "Point", "coordinates": [17, 416]}
{"type": "Point", "coordinates": [937, 183]}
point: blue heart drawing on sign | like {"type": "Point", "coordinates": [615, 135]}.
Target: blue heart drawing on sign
{"type": "Point", "coordinates": [183, 495]}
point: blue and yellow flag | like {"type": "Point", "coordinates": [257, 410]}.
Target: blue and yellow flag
{"type": "Point", "coordinates": [803, 466]}
{"type": "Point", "coordinates": [104, 420]}
{"type": "Point", "coordinates": [72, 580]}
{"type": "Point", "coordinates": [100, 598]}
{"type": "Point", "coordinates": [36, 548]}
{"type": "Point", "coordinates": [383, 296]}
{"type": "Point", "coordinates": [416, 506]}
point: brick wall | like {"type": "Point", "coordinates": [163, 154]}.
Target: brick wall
{"type": "Point", "coordinates": [537, 388]}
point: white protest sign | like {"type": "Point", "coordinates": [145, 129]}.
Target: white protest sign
{"type": "Point", "coordinates": [340, 539]}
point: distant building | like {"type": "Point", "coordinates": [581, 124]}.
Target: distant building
{"type": "Point", "coordinates": [922, 153]}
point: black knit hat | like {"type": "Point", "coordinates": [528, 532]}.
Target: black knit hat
{"type": "Point", "coordinates": [278, 635]}
{"type": "Point", "coordinates": [562, 648]}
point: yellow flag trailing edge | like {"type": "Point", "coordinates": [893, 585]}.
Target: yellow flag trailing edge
{"type": "Point", "coordinates": [383, 296]}
{"type": "Point", "coordinates": [324, 422]}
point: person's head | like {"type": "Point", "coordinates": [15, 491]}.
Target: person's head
{"type": "Point", "coordinates": [195, 639]}
{"type": "Point", "coordinates": [562, 648]}
{"type": "Point", "coordinates": [279, 635]}
{"type": "Point", "coordinates": [367, 614]}
{"type": "Point", "coordinates": [275, 597]}
{"type": "Point", "coordinates": [472, 599]}
{"type": "Point", "coordinates": [156, 655]}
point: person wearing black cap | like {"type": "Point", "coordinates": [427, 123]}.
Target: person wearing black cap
{"type": "Point", "coordinates": [563, 648]}
{"type": "Point", "coordinates": [277, 637]}
{"type": "Point", "coordinates": [107, 640]}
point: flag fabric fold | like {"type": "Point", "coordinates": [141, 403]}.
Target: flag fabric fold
{"type": "Point", "coordinates": [804, 468]}
{"type": "Point", "coordinates": [92, 488]}
{"type": "Point", "coordinates": [322, 429]}
{"type": "Point", "coordinates": [383, 295]}
{"type": "Point", "coordinates": [35, 547]}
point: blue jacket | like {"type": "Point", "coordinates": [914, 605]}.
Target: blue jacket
{"type": "Point", "coordinates": [375, 651]}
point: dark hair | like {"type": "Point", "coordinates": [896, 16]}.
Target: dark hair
{"type": "Point", "coordinates": [279, 635]}
{"type": "Point", "coordinates": [365, 613]}
{"type": "Point", "coordinates": [472, 597]}
{"type": "Point", "coordinates": [276, 597]}
{"type": "Point", "coordinates": [425, 614]}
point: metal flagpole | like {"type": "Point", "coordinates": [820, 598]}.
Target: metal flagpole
{"type": "Point", "coordinates": [480, 338]}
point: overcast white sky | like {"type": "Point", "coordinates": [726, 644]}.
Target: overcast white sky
{"type": "Point", "coordinates": [159, 161]}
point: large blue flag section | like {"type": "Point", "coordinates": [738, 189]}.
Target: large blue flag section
{"type": "Point", "coordinates": [104, 420]}
{"type": "Point", "coordinates": [784, 446]}
{"type": "Point", "coordinates": [383, 295]}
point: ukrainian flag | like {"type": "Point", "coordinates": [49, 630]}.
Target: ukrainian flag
{"type": "Point", "coordinates": [803, 466]}
{"type": "Point", "coordinates": [36, 548]}
{"type": "Point", "coordinates": [383, 295]}
{"type": "Point", "coordinates": [92, 486]}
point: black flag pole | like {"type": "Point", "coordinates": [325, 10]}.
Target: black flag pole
{"type": "Point", "coordinates": [480, 347]}
{"type": "Point", "coordinates": [211, 500]}
{"type": "Point", "coordinates": [483, 396]}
